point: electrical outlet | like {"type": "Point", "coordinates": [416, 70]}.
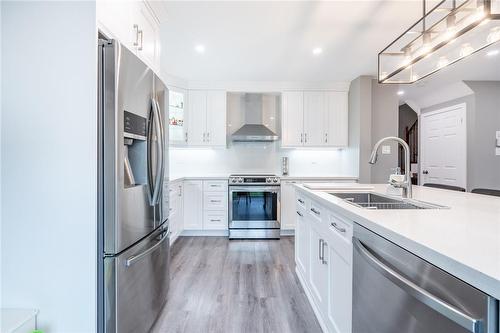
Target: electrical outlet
{"type": "Point", "coordinates": [386, 150]}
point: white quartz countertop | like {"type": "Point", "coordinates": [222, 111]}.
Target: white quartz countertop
{"type": "Point", "coordinates": [463, 240]}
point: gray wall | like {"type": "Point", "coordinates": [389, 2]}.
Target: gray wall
{"type": "Point", "coordinates": [483, 120]}
{"type": "Point", "coordinates": [384, 122]}
{"type": "Point", "coordinates": [373, 114]}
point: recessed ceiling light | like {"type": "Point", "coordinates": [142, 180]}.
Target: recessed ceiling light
{"type": "Point", "coordinates": [493, 53]}
{"type": "Point", "coordinates": [401, 92]}
{"type": "Point", "coordinates": [317, 50]}
{"type": "Point", "coordinates": [200, 48]}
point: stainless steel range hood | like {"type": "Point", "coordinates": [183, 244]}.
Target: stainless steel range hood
{"type": "Point", "coordinates": [254, 132]}
{"type": "Point", "coordinates": [258, 110]}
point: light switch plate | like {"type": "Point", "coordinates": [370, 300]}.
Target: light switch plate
{"type": "Point", "coordinates": [497, 151]}
{"type": "Point", "coordinates": [386, 150]}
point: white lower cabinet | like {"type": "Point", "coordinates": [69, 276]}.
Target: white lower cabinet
{"type": "Point", "coordinates": [324, 262]}
{"type": "Point", "coordinates": [302, 242]}
{"type": "Point", "coordinates": [205, 205]}
{"type": "Point", "coordinates": [176, 214]}
{"type": "Point", "coordinates": [193, 205]}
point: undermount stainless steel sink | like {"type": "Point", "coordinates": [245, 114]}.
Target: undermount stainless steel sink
{"type": "Point", "coordinates": [370, 200]}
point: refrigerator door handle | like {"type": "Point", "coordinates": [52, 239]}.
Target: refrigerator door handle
{"type": "Point", "coordinates": [130, 261]}
{"type": "Point", "coordinates": [159, 160]}
{"type": "Point", "coordinates": [162, 128]}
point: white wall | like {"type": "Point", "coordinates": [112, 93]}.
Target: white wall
{"type": "Point", "coordinates": [259, 158]}
{"type": "Point", "coordinates": [49, 162]}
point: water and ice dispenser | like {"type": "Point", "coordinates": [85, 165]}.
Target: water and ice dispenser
{"type": "Point", "coordinates": [135, 149]}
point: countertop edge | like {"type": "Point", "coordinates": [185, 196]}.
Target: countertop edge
{"type": "Point", "coordinates": [478, 279]}
{"type": "Point", "coordinates": [284, 178]}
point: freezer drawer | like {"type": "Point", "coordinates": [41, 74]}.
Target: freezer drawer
{"type": "Point", "coordinates": [136, 284]}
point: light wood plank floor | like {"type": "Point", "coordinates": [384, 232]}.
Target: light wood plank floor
{"type": "Point", "coordinates": [219, 285]}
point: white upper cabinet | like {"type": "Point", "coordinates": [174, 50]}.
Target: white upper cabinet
{"type": "Point", "coordinates": [292, 118]}
{"type": "Point", "coordinates": [314, 119]}
{"type": "Point", "coordinates": [135, 25]}
{"type": "Point", "coordinates": [207, 118]}
{"type": "Point", "coordinates": [336, 119]}
{"type": "Point", "coordinates": [177, 129]}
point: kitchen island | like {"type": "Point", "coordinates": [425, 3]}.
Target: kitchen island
{"type": "Point", "coordinates": [463, 239]}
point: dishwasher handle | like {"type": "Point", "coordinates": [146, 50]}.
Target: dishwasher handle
{"type": "Point", "coordinates": [473, 325]}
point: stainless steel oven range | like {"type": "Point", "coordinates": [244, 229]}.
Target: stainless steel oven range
{"type": "Point", "coordinates": [254, 207]}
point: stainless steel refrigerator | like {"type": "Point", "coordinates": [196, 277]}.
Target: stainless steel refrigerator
{"type": "Point", "coordinates": [133, 242]}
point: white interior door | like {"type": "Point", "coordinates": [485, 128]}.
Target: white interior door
{"type": "Point", "coordinates": [444, 146]}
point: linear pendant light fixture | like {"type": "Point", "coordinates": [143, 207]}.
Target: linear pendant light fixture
{"type": "Point", "coordinates": [449, 32]}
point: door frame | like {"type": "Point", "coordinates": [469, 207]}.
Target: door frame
{"type": "Point", "coordinates": [460, 106]}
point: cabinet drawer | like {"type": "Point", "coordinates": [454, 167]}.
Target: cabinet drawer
{"type": "Point", "coordinates": [215, 220]}
{"type": "Point", "coordinates": [215, 185]}
{"type": "Point", "coordinates": [215, 201]}
{"type": "Point", "coordinates": [340, 226]}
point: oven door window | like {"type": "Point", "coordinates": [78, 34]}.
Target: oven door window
{"type": "Point", "coordinates": [254, 206]}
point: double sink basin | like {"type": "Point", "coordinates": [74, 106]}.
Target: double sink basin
{"type": "Point", "coordinates": [370, 200]}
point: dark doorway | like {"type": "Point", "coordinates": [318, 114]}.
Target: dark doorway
{"type": "Point", "coordinates": [408, 131]}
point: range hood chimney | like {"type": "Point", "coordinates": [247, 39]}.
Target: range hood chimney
{"type": "Point", "coordinates": [254, 130]}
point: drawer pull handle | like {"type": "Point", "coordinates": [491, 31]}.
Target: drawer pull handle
{"type": "Point", "coordinates": [301, 201]}
{"type": "Point", "coordinates": [315, 211]}
{"type": "Point", "coordinates": [214, 201]}
{"type": "Point", "coordinates": [340, 229]}
{"type": "Point", "coordinates": [299, 214]}
{"type": "Point", "coordinates": [212, 220]}
{"type": "Point", "coordinates": [214, 185]}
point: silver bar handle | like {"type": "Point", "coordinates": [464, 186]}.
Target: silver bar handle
{"type": "Point", "coordinates": [208, 136]}
{"type": "Point", "coordinates": [315, 211]}
{"type": "Point", "coordinates": [130, 261]}
{"type": "Point", "coordinates": [299, 214]}
{"type": "Point", "coordinates": [457, 316]}
{"type": "Point", "coordinates": [300, 200]}
{"type": "Point", "coordinates": [301, 137]}
{"type": "Point", "coordinates": [138, 32]}
{"type": "Point", "coordinates": [326, 137]}
{"type": "Point", "coordinates": [186, 137]}
{"type": "Point", "coordinates": [305, 137]}
{"type": "Point", "coordinates": [159, 159]}
{"type": "Point", "coordinates": [336, 226]}
{"type": "Point", "coordinates": [320, 249]}
{"type": "Point", "coordinates": [323, 260]}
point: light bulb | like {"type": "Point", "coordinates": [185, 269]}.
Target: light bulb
{"type": "Point", "coordinates": [494, 35]}
{"type": "Point", "coordinates": [466, 50]}
{"type": "Point", "coordinates": [443, 61]}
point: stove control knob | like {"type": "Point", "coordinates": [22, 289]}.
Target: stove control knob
{"type": "Point", "coordinates": [233, 180]}
{"type": "Point", "coordinates": [240, 180]}
{"type": "Point", "coordinates": [275, 180]}
{"type": "Point", "coordinates": [268, 180]}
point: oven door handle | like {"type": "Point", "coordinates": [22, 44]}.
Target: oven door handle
{"type": "Point", "coordinates": [272, 189]}
{"type": "Point", "coordinates": [452, 313]}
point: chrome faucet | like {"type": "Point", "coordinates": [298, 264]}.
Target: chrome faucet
{"type": "Point", "coordinates": [406, 183]}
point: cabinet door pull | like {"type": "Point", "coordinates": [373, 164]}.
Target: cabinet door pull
{"type": "Point", "coordinates": [336, 226]}
{"type": "Point", "coordinates": [326, 137]}
{"type": "Point", "coordinates": [204, 136]}
{"type": "Point", "coordinates": [323, 260]}
{"type": "Point", "coordinates": [301, 137]}
{"type": "Point", "coordinates": [299, 214]}
{"type": "Point", "coordinates": [300, 200]}
{"type": "Point", "coordinates": [186, 135]}
{"type": "Point", "coordinates": [320, 249]}
{"type": "Point", "coordinates": [138, 32]}
{"type": "Point", "coordinates": [305, 137]}
{"type": "Point", "coordinates": [208, 136]}
{"type": "Point", "coordinates": [315, 211]}
{"type": "Point", "coordinates": [215, 201]}
{"type": "Point", "coordinates": [214, 220]}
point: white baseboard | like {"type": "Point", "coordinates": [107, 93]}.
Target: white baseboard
{"type": "Point", "coordinates": [205, 233]}
{"type": "Point", "coordinates": [316, 311]}
{"type": "Point", "coordinates": [287, 232]}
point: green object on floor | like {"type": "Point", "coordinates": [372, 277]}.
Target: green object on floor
{"type": "Point", "coordinates": [37, 331]}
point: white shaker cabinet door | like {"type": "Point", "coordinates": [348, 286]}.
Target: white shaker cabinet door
{"type": "Point", "coordinates": [193, 205]}
{"type": "Point", "coordinates": [197, 118]}
{"type": "Point", "coordinates": [148, 47]}
{"type": "Point", "coordinates": [302, 240]}
{"type": "Point", "coordinates": [292, 119]}
{"type": "Point", "coordinates": [336, 120]}
{"type": "Point", "coordinates": [114, 19]}
{"type": "Point", "coordinates": [314, 118]}
{"type": "Point", "coordinates": [216, 118]}
{"type": "Point", "coordinates": [288, 206]}
{"type": "Point", "coordinates": [318, 271]}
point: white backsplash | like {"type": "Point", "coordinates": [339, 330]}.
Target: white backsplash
{"type": "Point", "coordinates": [259, 158]}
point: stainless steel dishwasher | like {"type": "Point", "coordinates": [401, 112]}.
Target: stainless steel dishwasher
{"type": "Point", "coordinates": [395, 291]}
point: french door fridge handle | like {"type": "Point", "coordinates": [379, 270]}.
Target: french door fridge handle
{"type": "Point", "coordinates": [471, 324]}
{"type": "Point", "coordinates": [162, 146]}
{"type": "Point", "coordinates": [159, 159]}
{"type": "Point", "coordinates": [130, 261]}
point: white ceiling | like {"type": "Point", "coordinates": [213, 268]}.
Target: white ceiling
{"type": "Point", "coordinates": [273, 41]}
